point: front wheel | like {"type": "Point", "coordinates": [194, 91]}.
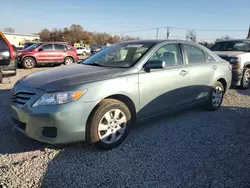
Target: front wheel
{"type": "Point", "coordinates": [109, 124]}
{"type": "Point", "coordinates": [245, 82]}
{"type": "Point", "coordinates": [28, 63]}
{"type": "Point", "coordinates": [84, 53]}
{"type": "Point", "coordinates": [215, 97]}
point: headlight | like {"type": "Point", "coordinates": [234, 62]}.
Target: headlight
{"type": "Point", "coordinates": [59, 98]}
{"type": "Point", "coordinates": [234, 60]}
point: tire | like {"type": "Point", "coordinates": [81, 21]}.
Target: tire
{"type": "Point", "coordinates": [245, 82]}
{"type": "Point", "coordinates": [68, 61]}
{"type": "Point", "coordinates": [28, 63]}
{"type": "Point", "coordinates": [1, 78]}
{"type": "Point", "coordinates": [84, 53]}
{"type": "Point", "coordinates": [101, 136]}
{"type": "Point", "coordinates": [218, 92]}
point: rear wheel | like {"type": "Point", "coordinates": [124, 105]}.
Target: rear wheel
{"type": "Point", "coordinates": [28, 63]}
{"type": "Point", "coordinates": [215, 97]}
{"type": "Point", "coordinates": [1, 77]}
{"type": "Point", "coordinates": [245, 82]}
{"type": "Point", "coordinates": [109, 124]}
{"type": "Point", "coordinates": [84, 53]}
{"type": "Point", "coordinates": [68, 61]}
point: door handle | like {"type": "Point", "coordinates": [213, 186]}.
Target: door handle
{"type": "Point", "coordinates": [214, 67]}
{"type": "Point", "coordinates": [183, 73]}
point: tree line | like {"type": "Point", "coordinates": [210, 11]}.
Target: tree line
{"type": "Point", "coordinates": [76, 34]}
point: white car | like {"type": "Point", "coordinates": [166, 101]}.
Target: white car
{"type": "Point", "coordinates": [82, 50]}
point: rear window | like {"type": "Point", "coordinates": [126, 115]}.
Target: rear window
{"type": "Point", "coordinates": [3, 44]}
{"type": "Point", "coordinates": [68, 48]}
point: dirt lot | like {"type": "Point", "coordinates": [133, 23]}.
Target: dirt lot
{"type": "Point", "coordinates": [188, 149]}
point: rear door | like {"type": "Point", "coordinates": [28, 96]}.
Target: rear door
{"type": "Point", "coordinates": [46, 53]}
{"type": "Point", "coordinates": [60, 52]}
{"type": "Point", "coordinates": [202, 69]}
{"type": "Point", "coordinates": [4, 52]}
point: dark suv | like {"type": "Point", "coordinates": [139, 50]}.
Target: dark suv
{"type": "Point", "coordinates": [8, 58]}
{"type": "Point", "coordinates": [47, 52]}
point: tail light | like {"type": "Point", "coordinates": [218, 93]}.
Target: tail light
{"type": "Point", "coordinates": [230, 67]}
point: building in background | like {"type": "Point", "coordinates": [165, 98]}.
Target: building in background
{"type": "Point", "coordinates": [19, 39]}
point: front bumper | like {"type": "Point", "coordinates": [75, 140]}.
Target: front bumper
{"type": "Point", "coordinates": [237, 77]}
{"type": "Point", "coordinates": [56, 124]}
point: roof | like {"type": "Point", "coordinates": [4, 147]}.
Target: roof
{"type": "Point", "coordinates": [155, 41]}
{"type": "Point", "coordinates": [20, 34]}
{"type": "Point", "coordinates": [229, 40]}
{"type": "Point", "coordinates": [149, 41]}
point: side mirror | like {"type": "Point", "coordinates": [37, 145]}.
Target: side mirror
{"type": "Point", "coordinates": [155, 64]}
{"type": "Point", "coordinates": [40, 50]}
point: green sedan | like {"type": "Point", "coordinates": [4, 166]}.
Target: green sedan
{"type": "Point", "coordinates": [100, 99]}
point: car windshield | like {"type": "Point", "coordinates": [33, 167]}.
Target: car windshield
{"type": "Point", "coordinates": [231, 46]}
{"type": "Point", "coordinates": [33, 46]}
{"type": "Point", "coordinates": [122, 55]}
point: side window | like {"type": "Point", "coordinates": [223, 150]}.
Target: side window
{"type": "Point", "coordinates": [59, 47]}
{"type": "Point", "coordinates": [208, 57]}
{"type": "Point", "coordinates": [170, 53]}
{"type": "Point", "coordinates": [47, 47]}
{"type": "Point", "coordinates": [194, 54]}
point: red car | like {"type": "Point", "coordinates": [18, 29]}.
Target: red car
{"type": "Point", "coordinates": [47, 52]}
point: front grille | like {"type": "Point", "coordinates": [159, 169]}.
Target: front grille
{"type": "Point", "coordinates": [22, 97]}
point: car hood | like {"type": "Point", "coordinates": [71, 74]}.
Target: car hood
{"type": "Point", "coordinates": [19, 52]}
{"type": "Point", "coordinates": [229, 53]}
{"type": "Point", "coordinates": [65, 77]}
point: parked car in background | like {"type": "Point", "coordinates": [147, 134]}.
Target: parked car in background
{"type": "Point", "coordinates": [95, 48]}
{"type": "Point", "coordinates": [8, 58]}
{"type": "Point", "coordinates": [237, 52]}
{"type": "Point", "coordinates": [47, 52]}
{"type": "Point", "coordinates": [100, 99]}
{"type": "Point", "coordinates": [81, 50]}
{"type": "Point", "coordinates": [27, 44]}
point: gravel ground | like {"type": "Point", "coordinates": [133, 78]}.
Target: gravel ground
{"type": "Point", "coordinates": [188, 149]}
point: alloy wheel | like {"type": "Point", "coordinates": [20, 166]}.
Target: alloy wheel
{"type": "Point", "coordinates": [29, 63]}
{"type": "Point", "coordinates": [247, 78]}
{"type": "Point", "coordinates": [217, 96]}
{"type": "Point", "coordinates": [112, 126]}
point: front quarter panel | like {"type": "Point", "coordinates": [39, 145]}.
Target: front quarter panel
{"type": "Point", "coordinates": [126, 84]}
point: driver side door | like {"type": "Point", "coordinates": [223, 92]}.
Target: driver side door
{"type": "Point", "coordinates": [46, 53]}
{"type": "Point", "coordinates": [164, 89]}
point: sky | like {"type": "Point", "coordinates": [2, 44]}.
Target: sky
{"type": "Point", "coordinates": [122, 16]}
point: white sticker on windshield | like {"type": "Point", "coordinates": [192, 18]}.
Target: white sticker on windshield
{"type": "Point", "coordinates": [134, 46]}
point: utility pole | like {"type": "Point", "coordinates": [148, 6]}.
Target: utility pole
{"type": "Point", "coordinates": [248, 36]}
{"type": "Point", "coordinates": [157, 32]}
{"type": "Point", "coordinates": [168, 32]}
